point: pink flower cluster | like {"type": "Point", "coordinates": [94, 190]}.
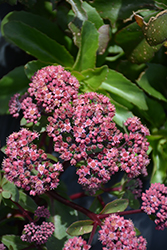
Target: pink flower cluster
{"type": "Point", "coordinates": [118, 233]}
{"type": "Point", "coordinates": [42, 212]}
{"type": "Point", "coordinates": [2, 247]}
{"type": "Point", "coordinates": [82, 129]}
{"type": "Point", "coordinates": [51, 86]}
{"type": "Point", "coordinates": [38, 234]}
{"type": "Point", "coordinates": [76, 243]}
{"type": "Point", "coordinates": [155, 204]}
{"type": "Point", "coordinates": [28, 166]}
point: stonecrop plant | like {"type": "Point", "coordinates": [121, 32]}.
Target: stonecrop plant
{"type": "Point", "coordinates": [61, 129]}
{"type": "Point", "coordinates": [89, 152]}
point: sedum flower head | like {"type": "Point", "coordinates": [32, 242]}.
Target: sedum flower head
{"type": "Point", "coordinates": [52, 86]}
{"type": "Point", "coordinates": [155, 204]}
{"type": "Point", "coordinates": [28, 166]}
{"type": "Point", "coordinates": [133, 153]}
{"type": "Point", "coordinates": [42, 212]}
{"type": "Point", "coordinates": [2, 247]}
{"type": "Point", "coordinates": [76, 243]}
{"type": "Point", "coordinates": [38, 234]}
{"type": "Point", "coordinates": [118, 233]}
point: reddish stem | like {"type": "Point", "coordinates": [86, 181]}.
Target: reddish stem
{"type": "Point", "coordinates": [101, 200]}
{"type": "Point", "coordinates": [24, 212]}
{"type": "Point", "coordinates": [77, 196]}
{"type": "Point", "coordinates": [92, 233]}
{"type": "Point", "coordinates": [77, 207]}
{"type": "Point", "coordinates": [103, 216]}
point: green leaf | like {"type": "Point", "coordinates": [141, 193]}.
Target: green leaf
{"type": "Point", "coordinates": [116, 83]}
{"type": "Point", "coordinates": [86, 56]}
{"type": "Point", "coordinates": [80, 227]}
{"type": "Point", "coordinates": [121, 114]}
{"type": "Point", "coordinates": [12, 189]}
{"type": "Point", "coordinates": [159, 155]}
{"type": "Point", "coordinates": [114, 10]}
{"type": "Point", "coordinates": [6, 194]}
{"type": "Point", "coordinates": [118, 205]}
{"type": "Point", "coordinates": [153, 81]}
{"type": "Point", "coordinates": [78, 10]}
{"type": "Point", "coordinates": [14, 241]}
{"type": "Point", "coordinates": [155, 30]}
{"type": "Point", "coordinates": [35, 21]}
{"type": "Point", "coordinates": [95, 77]}
{"type": "Point", "coordinates": [27, 202]}
{"type": "Point", "coordinates": [92, 15]}
{"type": "Point", "coordinates": [139, 50]}
{"type": "Point", "coordinates": [14, 81]}
{"type": "Point", "coordinates": [133, 202]}
{"type": "Point", "coordinates": [37, 43]}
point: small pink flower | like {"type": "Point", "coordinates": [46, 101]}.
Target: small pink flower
{"type": "Point", "coordinates": [76, 243]}
{"type": "Point", "coordinates": [155, 204]}
{"type": "Point", "coordinates": [118, 233]}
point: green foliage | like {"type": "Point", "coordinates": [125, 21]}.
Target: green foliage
{"type": "Point", "coordinates": [112, 47]}
{"type": "Point", "coordinates": [118, 205]}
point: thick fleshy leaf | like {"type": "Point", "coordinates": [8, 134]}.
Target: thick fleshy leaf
{"type": "Point", "coordinates": [31, 67]}
{"type": "Point", "coordinates": [104, 37]}
{"type": "Point", "coordinates": [118, 205]}
{"type": "Point", "coordinates": [78, 10]}
{"type": "Point", "coordinates": [95, 77]}
{"type": "Point", "coordinates": [116, 83]}
{"type": "Point", "coordinates": [121, 114]}
{"type": "Point", "coordinates": [153, 81]}
{"type": "Point", "coordinates": [119, 9]}
{"type": "Point", "coordinates": [86, 56]}
{"type": "Point", "coordinates": [92, 15]}
{"type": "Point", "coordinates": [27, 202]}
{"type": "Point", "coordinates": [35, 21]}
{"type": "Point", "coordinates": [80, 227]}
{"type": "Point", "coordinates": [159, 155]}
{"type": "Point", "coordinates": [139, 50]}
{"type": "Point", "coordinates": [37, 43]}
{"type": "Point", "coordinates": [15, 242]}
{"type": "Point", "coordinates": [12, 189]}
{"type": "Point", "coordinates": [133, 202]}
{"type": "Point", "coordinates": [14, 82]}
{"type": "Point", "coordinates": [155, 30]}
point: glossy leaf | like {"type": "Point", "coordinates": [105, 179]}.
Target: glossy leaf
{"type": "Point", "coordinates": [104, 37]}
{"type": "Point", "coordinates": [116, 83]}
{"type": "Point", "coordinates": [153, 81]}
{"type": "Point", "coordinates": [15, 81]}
{"type": "Point", "coordinates": [121, 114]}
{"type": "Point", "coordinates": [86, 56]}
{"type": "Point", "coordinates": [155, 30]}
{"type": "Point", "coordinates": [159, 155]}
{"type": "Point", "coordinates": [118, 205]}
{"type": "Point", "coordinates": [31, 67]}
{"type": "Point", "coordinates": [37, 43]}
{"type": "Point", "coordinates": [114, 10]}
{"type": "Point", "coordinates": [12, 189]}
{"type": "Point", "coordinates": [92, 15]}
{"type": "Point", "coordinates": [95, 77]}
{"type": "Point", "coordinates": [78, 10]}
{"type": "Point", "coordinates": [39, 22]}
{"type": "Point", "coordinates": [80, 227]}
{"type": "Point", "coordinates": [139, 50]}
{"type": "Point", "coordinates": [27, 202]}
{"type": "Point", "coordinates": [15, 242]}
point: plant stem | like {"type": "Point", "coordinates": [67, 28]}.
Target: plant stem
{"type": "Point", "coordinates": [77, 207]}
{"type": "Point", "coordinates": [24, 212]}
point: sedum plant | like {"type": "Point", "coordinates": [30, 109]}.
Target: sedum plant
{"type": "Point", "coordinates": [88, 103]}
